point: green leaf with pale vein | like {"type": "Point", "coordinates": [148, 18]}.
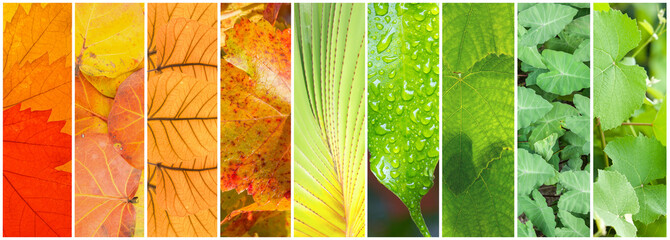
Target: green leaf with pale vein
{"type": "Point", "coordinates": [618, 89]}
{"type": "Point", "coordinates": [532, 171]}
{"type": "Point", "coordinates": [329, 186]}
{"type": "Point", "coordinates": [566, 73]}
{"type": "Point", "coordinates": [580, 26]}
{"type": "Point", "coordinates": [538, 212]}
{"type": "Point", "coordinates": [544, 20]}
{"type": "Point", "coordinates": [614, 203]}
{"type": "Point", "coordinates": [580, 124]}
{"type": "Point", "coordinates": [531, 107]}
{"type": "Point", "coordinates": [552, 122]}
{"type": "Point", "coordinates": [525, 229]}
{"type": "Point", "coordinates": [577, 197]}
{"type": "Point", "coordinates": [529, 54]}
{"type": "Point", "coordinates": [652, 203]}
{"type": "Point", "coordinates": [545, 146]}
{"type": "Point", "coordinates": [573, 226]}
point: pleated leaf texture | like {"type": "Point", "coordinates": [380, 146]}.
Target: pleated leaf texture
{"type": "Point", "coordinates": [478, 120]}
{"type": "Point", "coordinates": [403, 101]}
{"type": "Point", "coordinates": [256, 124]}
{"type": "Point", "coordinates": [329, 187]}
{"type": "Point", "coordinates": [37, 68]}
{"type": "Point", "coordinates": [181, 116]}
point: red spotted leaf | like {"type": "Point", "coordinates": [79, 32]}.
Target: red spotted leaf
{"type": "Point", "coordinates": [126, 119]}
{"type": "Point", "coordinates": [36, 196]}
{"type": "Point", "coordinates": [105, 187]}
{"type": "Point", "coordinates": [256, 111]}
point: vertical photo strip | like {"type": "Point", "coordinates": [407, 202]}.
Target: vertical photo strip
{"type": "Point", "coordinates": [329, 178]}
{"type": "Point", "coordinates": [553, 87]}
{"type": "Point", "coordinates": [478, 120]}
{"type": "Point", "coordinates": [182, 120]}
{"type": "Point", "coordinates": [629, 135]}
{"type": "Point", "coordinates": [109, 119]}
{"type": "Point", "coordinates": [37, 120]}
{"type": "Point", "coordinates": [404, 108]}
{"type": "Point", "coordinates": [256, 91]}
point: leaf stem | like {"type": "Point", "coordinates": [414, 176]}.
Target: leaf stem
{"type": "Point", "coordinates": [602, 139]}
{"type": "Point", "coordinates": [632, 129]}
{"type": "Point", "coordinates": [658, 31]}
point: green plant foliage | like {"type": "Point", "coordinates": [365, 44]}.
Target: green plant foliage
{"type": "Point", "coordinates": [403, 100]}
{"type": "Point", "coordinates": [554, 119]}
{"type": "Point", "coordinates": [329, 171]}
{"type": "Point", "coordinates": [629, 120]}
{"type": "Point", "coordinates": [478, 119]}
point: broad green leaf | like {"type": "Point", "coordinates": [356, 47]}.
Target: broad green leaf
{"type": "Point", "coordinates": [329, 185]}
{"type": "Point", "coordinates": [545, 147]}
{"type": "Point", "coordinates": [573, 226]}
{"type": "Point", "coordinates": [544, 20]}
{"type": "Point", "coordinates": [531, 107]}
{"type": "Point", "coordinates": [566, 73]}
{"type": "Point", "coordinates": [618, 89]}
{"type": "Point", "coordinates": [659, 124]}
{"type": "Point", "coordinates": [580, 26]}
{"type": "Point", "coordinates": [532, 171]}
{"type": "Point", "coordinates": [552, 122]}
{"type": "Point", "coordinates": [655, 229]}
{"type": "Point", "coordinates": [615, 202]}
{"type": "Point", "coordinates": [538, 212]}
{"type": "Point", "coordinates": [403, 76]}
{"type": "Point", "coordinates": [529, 54]}
{"type": "Point", "coordinates": [566, 42]}
{"type": "Point", "coordinates": [580, 124]}
{"type": "Point", "coordinates": [470, 31]}
{"type": "Point", "coordinates": [640, 159]}
{"type": "Point", "coordinates": [576, 199]}
{"type": "Point", "coordinates": [478, 122]}
{"type": "Point", "coordinates": [525, 229]}
{"type": "Point", "coordinates": [652, 203]}
{"type": "Point", "coordinates": [583, 51]}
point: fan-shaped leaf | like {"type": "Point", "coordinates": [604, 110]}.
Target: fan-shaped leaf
{"type": "Point", "coordinates": [330, 120]}
{"type": "Point", "coordinates": [618, 88]}
{"type": "Point", "coordinates": [105, 187]}
{"type": "Point", "coordinates": [37, 198]}
{"type": "Point", "coordinates": [126, 119]}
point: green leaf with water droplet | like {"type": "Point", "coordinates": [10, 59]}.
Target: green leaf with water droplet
{"type": "Point", "coordinates": [478, 119]}
{"type": "Point", "coordinates": [403, 100]}
{"type": "Point", "coordinates": [615, 201]}
{"type": "Point", "coordinates": [619, 89]}
{"type": "Point", "coordinates": [545, 21]}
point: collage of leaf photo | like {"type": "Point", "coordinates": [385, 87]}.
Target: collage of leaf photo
{"type": "Point", "coordinates": [224, 119]}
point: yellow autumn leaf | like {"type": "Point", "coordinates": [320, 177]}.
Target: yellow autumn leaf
{"type": "Point", "coordinates": [110, 39]}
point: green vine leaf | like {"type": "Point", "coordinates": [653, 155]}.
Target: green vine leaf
{"type": "Point", "coordinates": [619, 88]}
{"type": "Point", "coordinates": [478, 119]}
{"type": "Point", "coordinates": [403, 77]}
{"type": "Point", "coordinates": [615, 202]}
